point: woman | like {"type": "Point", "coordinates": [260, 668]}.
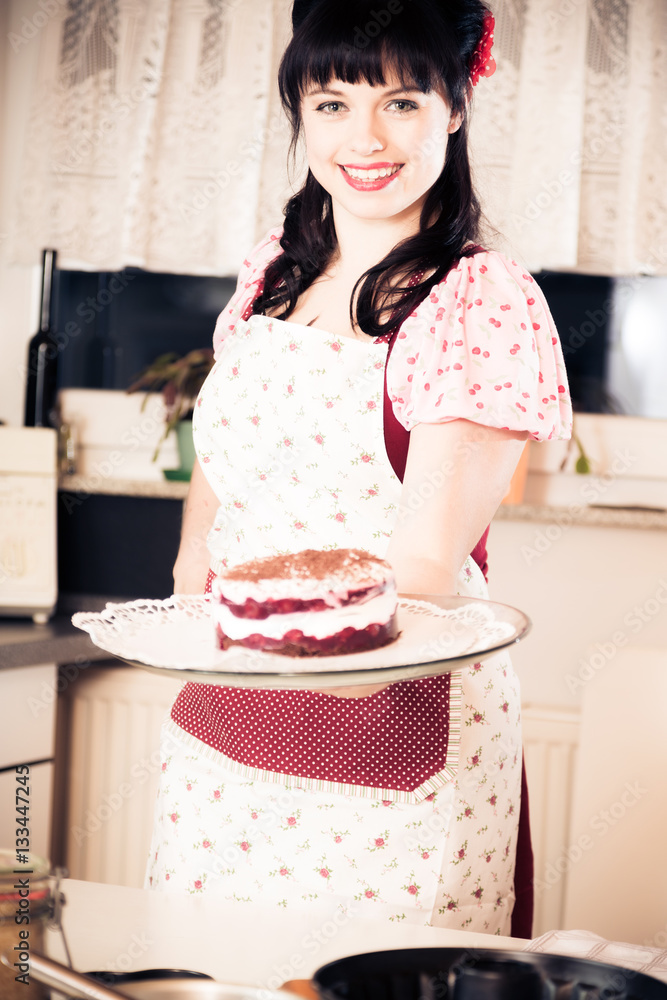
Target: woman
{"type": "Point", "coordinates": [399, 801]}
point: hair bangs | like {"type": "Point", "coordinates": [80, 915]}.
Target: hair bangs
{"type": "Point", "coordinates": [343, 43]}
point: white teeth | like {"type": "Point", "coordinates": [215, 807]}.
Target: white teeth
{"type": "Point", "coordinates": [371, 175]}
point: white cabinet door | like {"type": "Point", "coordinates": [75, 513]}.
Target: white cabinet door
{"type": "Point", "coordinates": [113, 717]}
{"type": "Point", "coordinates": [41, 794]}
{"type": "Point", "coordinates": [28, 699]}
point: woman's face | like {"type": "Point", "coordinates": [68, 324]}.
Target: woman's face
{"type": "Point", "coordinates": [376, 150]}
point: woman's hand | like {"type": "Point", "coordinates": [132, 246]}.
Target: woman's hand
{"type": "Point", "coordinates": [192, 561]}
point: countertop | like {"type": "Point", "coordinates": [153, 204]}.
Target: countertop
{"type": "Point", "coordinates": [589, 515]}
{"type": "Point", "coordinates": [24, 644]}
{"type": "Point", "coordinates": [579, 513]}
{"type": "Point", "coordinates": [163, 489]}
{"type": "Point", "coordinates": [114, 928]}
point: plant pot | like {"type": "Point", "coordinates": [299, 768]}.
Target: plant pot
{"type": "Point", "coordinates": [186, 452]}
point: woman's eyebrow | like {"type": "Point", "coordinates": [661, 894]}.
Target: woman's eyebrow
{"type": "Point", "coordinates": [386, 93]}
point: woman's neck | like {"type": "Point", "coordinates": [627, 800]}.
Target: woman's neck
{"type": "Point", "coordinates": [365, 242]}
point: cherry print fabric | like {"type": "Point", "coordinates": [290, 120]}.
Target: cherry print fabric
{"type": "Point", "coordinates": [483, 347]}
{"type": "Point", "coordinates": [248, 286]}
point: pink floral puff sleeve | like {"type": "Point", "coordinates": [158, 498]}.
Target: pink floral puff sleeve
{"type": "Point", "coordinates": [483, 347]}
{"type": "Point", "coordinates": [250, 278]}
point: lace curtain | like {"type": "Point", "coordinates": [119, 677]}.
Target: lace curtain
{"type": "Point", "coordinates": [570, 134]}
{"type": "Point", "coordinates": [156, 139]}
{"type": "Point", "coordinates": [154, 136]}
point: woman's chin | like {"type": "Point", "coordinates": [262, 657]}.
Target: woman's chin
{"type": "Point", "coordinates": [366, 206]}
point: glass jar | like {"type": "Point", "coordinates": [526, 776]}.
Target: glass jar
{"type": "Point", "coordinates": [26, 906]}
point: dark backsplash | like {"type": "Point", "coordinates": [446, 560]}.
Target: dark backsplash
{"type": "Point", "coordinates": [145, 533]}
{"type": "Point", "coordinates": [113, 325]}
{"type": "Point", "coordinates": [581, 308]}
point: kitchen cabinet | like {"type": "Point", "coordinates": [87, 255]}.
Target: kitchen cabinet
{"type": "Point", "coordinates": [27, 736]}
{"type": "Point", "coordinates": [594, 584]}
{"type": "Point", "coordinates": [619, 804]}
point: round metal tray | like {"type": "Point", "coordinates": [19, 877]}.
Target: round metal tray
{"type": "Point", "coordinates": [175, 638]}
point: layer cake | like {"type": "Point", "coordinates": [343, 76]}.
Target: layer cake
{"type": "Point", "coordinates": [309, 603]}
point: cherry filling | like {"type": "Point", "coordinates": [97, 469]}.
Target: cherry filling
{"type": "Point", "coordinates": [295, 643]}
{"type": "Point", "coordinates": [289, 605]}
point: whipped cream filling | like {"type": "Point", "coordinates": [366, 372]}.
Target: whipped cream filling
{"type": "Point", "coordinates": [331, 590]}
{"type": "Point", "coordinates": [318, 624]}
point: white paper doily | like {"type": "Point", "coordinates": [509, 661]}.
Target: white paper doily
{"type": "Point", "coordinates": [177, 635]}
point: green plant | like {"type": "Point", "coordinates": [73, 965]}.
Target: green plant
{"type": "Point", "coordinates": [179, 379]}
{"type": "Point", "coordinates": [582, 465]}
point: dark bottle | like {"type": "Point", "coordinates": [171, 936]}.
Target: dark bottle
{"type": "Point", "coordinates": [41, 383]}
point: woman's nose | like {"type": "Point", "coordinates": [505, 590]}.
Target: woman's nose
{"type": "Point", "coordinates": [366, 136]}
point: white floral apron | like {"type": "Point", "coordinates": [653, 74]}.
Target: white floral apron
{"type": "Point", "coordinates": [289, 432]}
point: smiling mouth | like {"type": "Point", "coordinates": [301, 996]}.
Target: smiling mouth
{"type": "Point", "coordinates": [360, 174]}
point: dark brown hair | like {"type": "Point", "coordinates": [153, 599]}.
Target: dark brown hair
{"type": "Point", "coordinates": [426, 44]}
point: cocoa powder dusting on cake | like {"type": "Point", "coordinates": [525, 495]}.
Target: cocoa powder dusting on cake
{"type": "Point", "coordinates": [317, 564]}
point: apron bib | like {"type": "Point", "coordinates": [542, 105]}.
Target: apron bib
{"type": "Point", "coordinates": [288, 429]}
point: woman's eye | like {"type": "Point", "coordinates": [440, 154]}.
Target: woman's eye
{"type": "Point", "coordinates": [402, 106]}
{"type": "Point", "coordinates": [330, 108]}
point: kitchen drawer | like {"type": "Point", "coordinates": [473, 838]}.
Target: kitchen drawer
{"type": "Point", "coordinates": [28, 697]}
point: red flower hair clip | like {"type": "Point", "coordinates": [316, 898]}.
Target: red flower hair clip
{"type": "Point", "coordinates": [482, 62]}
